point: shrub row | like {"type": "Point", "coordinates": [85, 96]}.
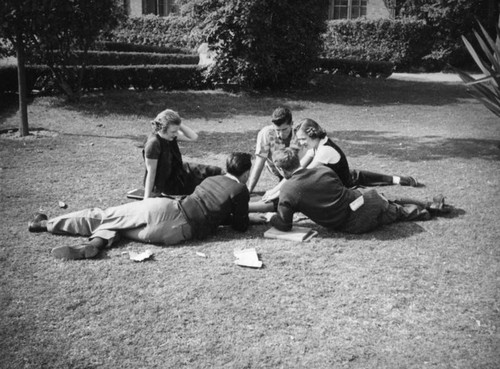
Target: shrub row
{"type": "Point", "coordinates": [151, 30]}
{"type": "Point", "coordinates": [356, 68]}
{"type": "Point", "coordinates": [138, 48]}
{"type": "Point", "coordinates": [402, 42]}
{"type": "Point", "coordinates": [138, 58]}
{"type": "Point", "coordinates": [8, 76]}
{"type": "Point", "coordinates": [165, 77]}
{"type": "Point", "coordinates": [407, 43]}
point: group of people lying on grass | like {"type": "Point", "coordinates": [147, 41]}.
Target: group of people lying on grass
{"type": "Point", "coordinates": [185, 201]}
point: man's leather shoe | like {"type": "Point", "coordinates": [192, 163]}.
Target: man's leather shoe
{"type": "Point", "coordinates": [34, 225]}
{"type": "Point", "coordinates": [437, 203]}
{"type": "Point", "coordinates": [410, 181]}
{"type": "Point", "coordinates": [76, 252]}
{"type": "Point", "coordinates": [438, 206]}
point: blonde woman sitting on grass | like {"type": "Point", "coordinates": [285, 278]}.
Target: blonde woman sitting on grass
{"type": "Point", "coordinates": [166, 173]}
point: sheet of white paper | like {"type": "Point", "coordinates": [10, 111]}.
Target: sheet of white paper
{"type": "Point", "coordinates": [140, 256]}
{"type": "Point", "coordinates": [248, 258]}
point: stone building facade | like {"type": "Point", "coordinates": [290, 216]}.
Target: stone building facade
{"type": "Point", "coordinates": [338, 9]}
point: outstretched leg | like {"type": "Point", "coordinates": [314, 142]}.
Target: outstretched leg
{"type": "Point", "coordinates": [68, 224]}
{"type": "Point", "coordinates": [436, 206]}
{"type": "Point", "coordinates": [366, 178]}
{"type": "Point", "coordinates": [83, 251]}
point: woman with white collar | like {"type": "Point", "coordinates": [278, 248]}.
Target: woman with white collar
{"type": "Point", "coordinates": [323, 151]}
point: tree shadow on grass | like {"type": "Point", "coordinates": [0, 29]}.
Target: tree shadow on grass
{"type": "Point", "coordinates": [414, 149]}
{"type": "Point", "coordinates": [353, 143]}
{"type": "Point", "coordinates": [218, 104]}
{"type": "Point", "coordinates": [353, 91]}
{"type": "Point", "coordinates": [9, 105]}
{"type": "Point", "coordinates": [205, 104]}
{"type": "Point", "coordinates": [362, 143]}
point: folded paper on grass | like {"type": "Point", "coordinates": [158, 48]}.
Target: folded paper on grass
{"type": "Point", "coordinates": [247, 258]}
{"type": "Point", "coordinates": [140, 256]}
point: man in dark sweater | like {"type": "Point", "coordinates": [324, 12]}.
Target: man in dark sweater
{"type": "Point", "coordinates": [319, 194]}
{"type": "Point", "coordinates": [217, 200]}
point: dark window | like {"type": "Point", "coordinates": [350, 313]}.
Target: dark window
{"type": "Point", "coordinates": [347, 9]}
{"type": "Point", "coordinates": [157, 7]}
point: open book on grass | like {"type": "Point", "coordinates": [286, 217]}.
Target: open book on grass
{"type": "Point", "coordinates": [299, 234]}
{"type": "Point", "coordinates": [138, 194]}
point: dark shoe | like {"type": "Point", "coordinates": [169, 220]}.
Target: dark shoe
{"type": "Point", "coordinates": [437, 203]}
{"type": "Point", "coordinates": [410, 181]}
{"type": "Point", "coordinates": [76, 252]}
{"type": "Point", "coordinates": [424, 215]}
{"type": "Point", "coordinates": [438, 206]}
{"type": "Point", "coordinates": [35, 226]}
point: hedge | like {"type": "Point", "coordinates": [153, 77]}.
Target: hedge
{"type": "Point", "coordinates": [406, 43]}
{"type": "Point", "coordinates": [164, 77]}
{"type": "Point", "coordinates": [8, 76]}
{"type": "Point", "coordinates": [139, 48]}
{"type": "Point", "coordinates": [138, 58]}
{"type": "Point", "coordinates": [403, 42]}
{"type": "Point", "coordinates": [151, 30]}
{"type": "Point", "coordinates": [357, 68]}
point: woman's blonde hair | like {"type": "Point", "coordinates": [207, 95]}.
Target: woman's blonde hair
{"type": "Point", "coordinates": [164, 120]}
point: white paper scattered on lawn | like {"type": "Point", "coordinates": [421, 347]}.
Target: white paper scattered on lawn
{"type": "Point", "coordinates": [247, 258]}
{"type": "Point", "coordinates": [140, 256]}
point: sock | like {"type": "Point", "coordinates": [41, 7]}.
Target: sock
{"type": "Point", "coordinates": [396, 179]}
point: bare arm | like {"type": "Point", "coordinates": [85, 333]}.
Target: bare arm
{"type": "Point", "coordinates": [306, 160]}
{"type": "Point", "coordinates": [186, 134]}
{"type": "Point", "coordinates": [274, 192]}
{"type": "Point", "coordinates": [151, 165]}
{"type": "Point", "coordinates": [256, 172]}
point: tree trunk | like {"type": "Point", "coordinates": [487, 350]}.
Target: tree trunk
{"type": "Point", "coordinates": [21, 89]}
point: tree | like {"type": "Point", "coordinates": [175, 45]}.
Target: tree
{"type": "Point", "coordinates": [50, 32]}
{"type": "Point", "coordinates": [64, 31]}
{"type": "Point", "coordinates": [450, 19]}
{"type": "Point", "coordinates": [262, 43]}
{"type": "Point", "coordinates": [15, 23]}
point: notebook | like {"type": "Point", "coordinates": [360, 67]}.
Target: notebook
{"type": "Point", "coordinates": [298, 234]}
{"type": "Point", "coordinates": [138, 194]}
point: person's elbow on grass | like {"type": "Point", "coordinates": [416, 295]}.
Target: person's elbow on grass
{"type": "Point", "coordinates": [280, 224]}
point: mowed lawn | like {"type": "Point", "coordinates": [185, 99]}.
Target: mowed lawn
{"type": "Point", "coordinates": [410, 295]}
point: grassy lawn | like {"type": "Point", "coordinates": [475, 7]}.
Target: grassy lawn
{"type": "Point", "coordinates": [410, 295]}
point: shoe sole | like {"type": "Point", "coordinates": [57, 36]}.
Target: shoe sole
{"type": "Point", "coordinates": [34, 225]}
{"type": "Point", "coordinates": [74, 253]}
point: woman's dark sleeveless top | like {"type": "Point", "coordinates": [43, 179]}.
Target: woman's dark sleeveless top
{"type": "Point", "coordinates": [341, 167]}
{"type": "Point", "coordinates": [169, 171]}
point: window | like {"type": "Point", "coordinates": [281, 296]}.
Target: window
{"type": "Point", "coordinates": [157, 7]}
{"type": "Point", "coordinates": [347, 9]}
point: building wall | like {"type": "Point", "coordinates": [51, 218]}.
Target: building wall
{"type": "Point", "coordinates": [135, 8]}
{"type": "Point", "coordinates": [376, 9]}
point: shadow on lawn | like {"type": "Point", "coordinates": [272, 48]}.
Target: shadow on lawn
{"type": "Point", "coordinates": [362, 143]}
{"type": "Point", "coordinates": [378, 92]}
{"type": "Point", "coordinates": [218, 104]}
{"type": "Point", "coordinates": [353, 143]}
{"type": "Point", "coordinates": [413, 149]}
